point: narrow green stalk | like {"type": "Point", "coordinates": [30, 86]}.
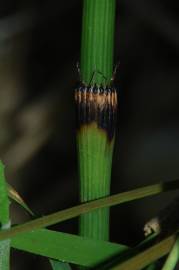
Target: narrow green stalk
{"type": "Point", "coordinates": [96, 112]}
{"type": "Point", "coordinates": [95, 169]}
{"type": "Point", "coordinates": [4, 220]}
{"type": "Point", "coordinates": [173, 257]}
{"type": "Point", "coordinates": [97, 40]}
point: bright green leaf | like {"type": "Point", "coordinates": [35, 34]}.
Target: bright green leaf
{"type": "Point", "coordinates": [66, 247]}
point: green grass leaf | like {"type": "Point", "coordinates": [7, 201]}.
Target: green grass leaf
{"type": "Point", "coordinates": [89, 252]}
{"type": "Point", "coordinates": [89, 206]}
{"type": "Point", "coordinates": [124, 197]}
{"type": "Point", "coordinates": [45, 221]}
{"type": "Point", "coordinates": [173, 257]}
{"type": "Point", "coordinates": [66, 247]}
{"type": "Point", "coordinates": [146, 257]}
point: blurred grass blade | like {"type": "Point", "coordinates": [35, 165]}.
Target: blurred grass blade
{"type": "Point", "coordinates": [151, 267]}
{"type": "Point", "coordinates": [173, 257]}
{"type": "Point", "coordinates": [148, 256]}
{"type": "Point", "coordinates": [4, 221]}
{"type": "Point", "coordinates": [90, 206]}
{"type": "Point", "coordinates": [14, 195]}
{"type": "Point", "coordinates": [56, 265]}
{"type": "Point", "coordinates": [71, 248]}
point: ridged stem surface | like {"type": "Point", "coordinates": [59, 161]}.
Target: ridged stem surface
{"type": "Point", "coordinates": [97, 41]}
{"type": "Point", "coordinates": [95, 172]}
{"type": "Point", "coordinates": [95, 146]}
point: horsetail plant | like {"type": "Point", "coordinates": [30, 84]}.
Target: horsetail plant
{"type": "Point", "coordinates": [96, 102]}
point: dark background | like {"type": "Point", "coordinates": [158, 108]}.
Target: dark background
{"type": "Point", "coordinates": [39, 48]}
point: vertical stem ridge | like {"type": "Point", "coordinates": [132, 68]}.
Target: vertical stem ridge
{"type": "Point", "coordinates": [97, 101]}
{"type": "Point", "coordinates": [97, 40]}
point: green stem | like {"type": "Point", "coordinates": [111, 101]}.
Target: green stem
{"type": "Point", "coordinates": [96, 113]}
{"type": "Point", "coordinates": [4, 220]}
{"type": "Point", "coordinates": [95, 168]}
{"type": "Point", "coordinates": [97, 40]}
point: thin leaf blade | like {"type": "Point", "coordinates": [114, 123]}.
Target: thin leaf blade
{"type": "Point", "coordinates": [14, 195]}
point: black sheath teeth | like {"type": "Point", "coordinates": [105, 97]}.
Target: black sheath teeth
{"type": "Point", "coordinates": [97, 104]}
